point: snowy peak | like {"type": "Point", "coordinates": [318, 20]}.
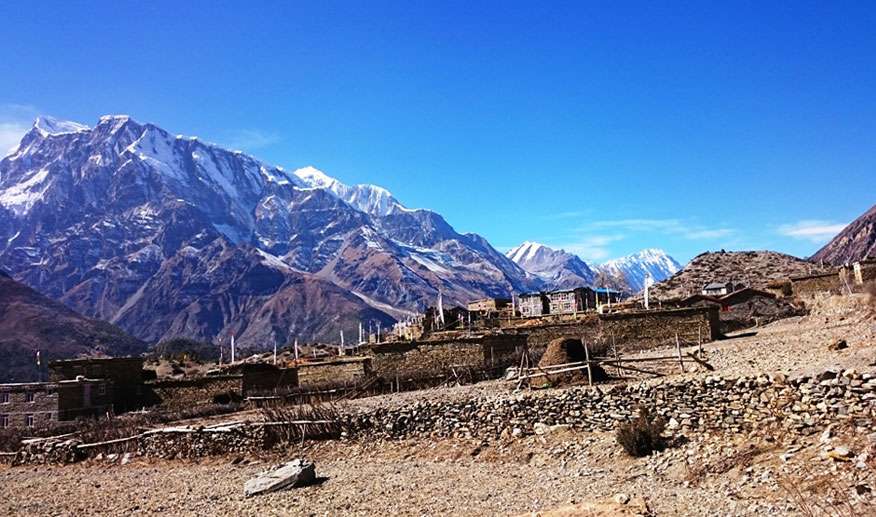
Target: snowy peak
{"type": "Point", "coordinates": [635, 268]}
{"type": "Point", "coordinates": [49, 126]}
{"type": "Point", "coordinates": [371, 199]}
{"type": "Point", "coordinates": [526, 252]}
{"type": "Point", "coordinates": [558, 269]}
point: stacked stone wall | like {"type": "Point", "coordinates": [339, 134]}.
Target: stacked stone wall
{"type": "Point", "coordinates": [733, 405]}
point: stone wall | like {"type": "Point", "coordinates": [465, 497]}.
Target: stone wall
{"type": "Point", "coordinates": [809, 285]}
{"type": "Point", "coordinates": [345, 371]}
{"type": "Point", "coordinates": [801, 406]}
{"type": "Point", "coordinates": [490, 353]}
{"type": "Point", "coordinates": [630, 331]}
{"type": "Point", "coordinates": [183, 394]}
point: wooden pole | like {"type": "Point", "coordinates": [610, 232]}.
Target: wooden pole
{"type": "Point", "coordinates": [678, 351]}
{"type": "Point", "coordinates": [616, 358]}
{"type": "Point", "coordinates": [700, 341]}
{"type": "Point", "coordinates": [589, 370]}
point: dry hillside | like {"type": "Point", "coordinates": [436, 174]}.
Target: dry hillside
{"type": "Point", "coordinates": [29, 322]}
{"type": "Point", "coordinates": [750, 268]}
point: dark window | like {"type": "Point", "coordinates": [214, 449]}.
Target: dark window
{"type": "Point", "coordinates": [101, 389]}
{"type": "Point", "coordinates": [4, 421]}
{"type": "Point", "coordinates": [28, 420]}
{"type": "Point", "coordinates": [29, 396]}
{"type": "Point", "coordinates": [4, 397]}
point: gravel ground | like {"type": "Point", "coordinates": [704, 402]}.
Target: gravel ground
{"type": "Point", "coordinates": [450, 477]}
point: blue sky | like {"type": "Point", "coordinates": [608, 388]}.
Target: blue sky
{"type": "Point", "coordinates": [600, 127]}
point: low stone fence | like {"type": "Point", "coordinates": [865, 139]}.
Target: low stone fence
{"type": "Point", "coordinates": [714, 403]}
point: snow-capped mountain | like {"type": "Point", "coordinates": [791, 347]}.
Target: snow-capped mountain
{"type": "Point", "coordinates": [555, 268]}
{"type": "Point", "coordinates": [558, 269]}
{"type": "Point", "coordinates": [168, 235]}
{"type": "Point", "coordinates": [635, 268]}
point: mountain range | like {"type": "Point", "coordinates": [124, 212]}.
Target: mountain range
{"type": "Point", "coordinates": [559, 269]}
{"type": "Point", "coordinates": [166, 235]}
{"type": "Point", "coordinates": [855, 242]}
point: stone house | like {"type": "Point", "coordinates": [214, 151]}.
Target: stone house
{"type": "Point", "coordinates": [533, 304]}
{"type": "Point", "coordinates": [718, 289]}
{"type": "Point", "coordinates": [488, 305]}
{"type": "Point", "coordinates": [571, 301]}
{"type": "Point", "coordinates": [38, 404]}
{"type": "Point", "coordinates": [126, 374]}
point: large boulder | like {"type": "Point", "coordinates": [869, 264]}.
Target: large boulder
{"type": "Point", "coordinates": [296, 473]}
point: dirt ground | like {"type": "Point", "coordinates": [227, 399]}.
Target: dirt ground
{"type": "Point", "coordinates": [759, 474]}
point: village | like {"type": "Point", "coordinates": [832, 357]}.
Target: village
{"type": "Point", "coordinates": [460, 344]}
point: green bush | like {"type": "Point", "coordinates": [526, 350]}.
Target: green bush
{"type": "Point", "coordinates": [642, 435]}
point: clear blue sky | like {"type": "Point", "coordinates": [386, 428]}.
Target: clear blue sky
{"type": "Point", "coordinates": [601, 127]}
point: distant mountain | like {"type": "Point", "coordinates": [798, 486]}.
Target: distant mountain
{"type": "Point", "coordinates": [558, 269]}
{"type": "Point", "coordinates": [554, 268]}
{"type": "Point", "coordinates": [168, 235]}
{"type": "Point", "coordinates": [855, 242]}
{"type": "Point", "coordinates": [635, 268]}
{"type": "Point", "coordinates": [30, 322]}
{"type": "Point", "coordinates": [749, 268]}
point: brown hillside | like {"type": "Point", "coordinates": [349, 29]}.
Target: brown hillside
{"type": "Point", "coordinates": [29, 322]}
{"type": "Point", "coordinates": [749, 268]}
{"type": "Point", "coordinates": [855, 242]}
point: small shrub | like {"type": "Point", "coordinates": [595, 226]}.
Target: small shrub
{"type": "Point", "coordinates": [642, 435]}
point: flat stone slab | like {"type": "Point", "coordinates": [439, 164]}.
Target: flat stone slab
{"type": "Point", "coordinates": [296, 473]}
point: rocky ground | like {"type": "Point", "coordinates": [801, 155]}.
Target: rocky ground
{"type": "Point", "coordinates": [558, 472]}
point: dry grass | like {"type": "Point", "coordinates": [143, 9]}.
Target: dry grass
{"type": "Point", "coordinates": [740, 459]}
{"type": "Point", "coordinates": [642, 435]}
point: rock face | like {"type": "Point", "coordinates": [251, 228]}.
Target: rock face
{"type": "Point", "coordinates": [855, 242]}
{"type": "Point", "coordinates": [750, 268]}
{"type": "Point", "coordinates": [296, 473]}
{"type": "Point", "coordinates": [167, 235]}
{"type": "Point", "coordinates": [29, 322]}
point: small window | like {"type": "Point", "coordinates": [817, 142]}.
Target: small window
{"type": "Point", "coordinates": [101, 389]}
{"type": "Point", "coordinates": [4, 397]}
{"type": "Point", "coordinates": [28, 420]}
{"type": "Point", "coordinates": [4, 421]}
{"type": "Point", "coordinates": [29, 396]}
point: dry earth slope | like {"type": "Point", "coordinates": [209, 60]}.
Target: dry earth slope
{"type": "Point", "coordinates": [29, 322]}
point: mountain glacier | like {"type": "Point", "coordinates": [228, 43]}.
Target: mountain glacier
{"type": "Point", "coordinates": [168, 235]}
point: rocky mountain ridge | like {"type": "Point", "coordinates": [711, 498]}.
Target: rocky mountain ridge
{"type": "Point", "coordinates": [855, 242]}
{"type": "Point", "coordinates": [168, 235]}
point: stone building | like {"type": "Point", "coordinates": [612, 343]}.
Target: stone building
{"type": "Point", "coordinates": [487, 307]}
{"type": "Point", "coordinates": [126, 374]}
{"type": "Point", "coordinates": [718, 288]}
{"type": "Point", "coordinates": [571, 301]}
{"type": "Point", "coordinates": [533, 304]}
{"type": "Point", "coordinates": [38, 404]}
